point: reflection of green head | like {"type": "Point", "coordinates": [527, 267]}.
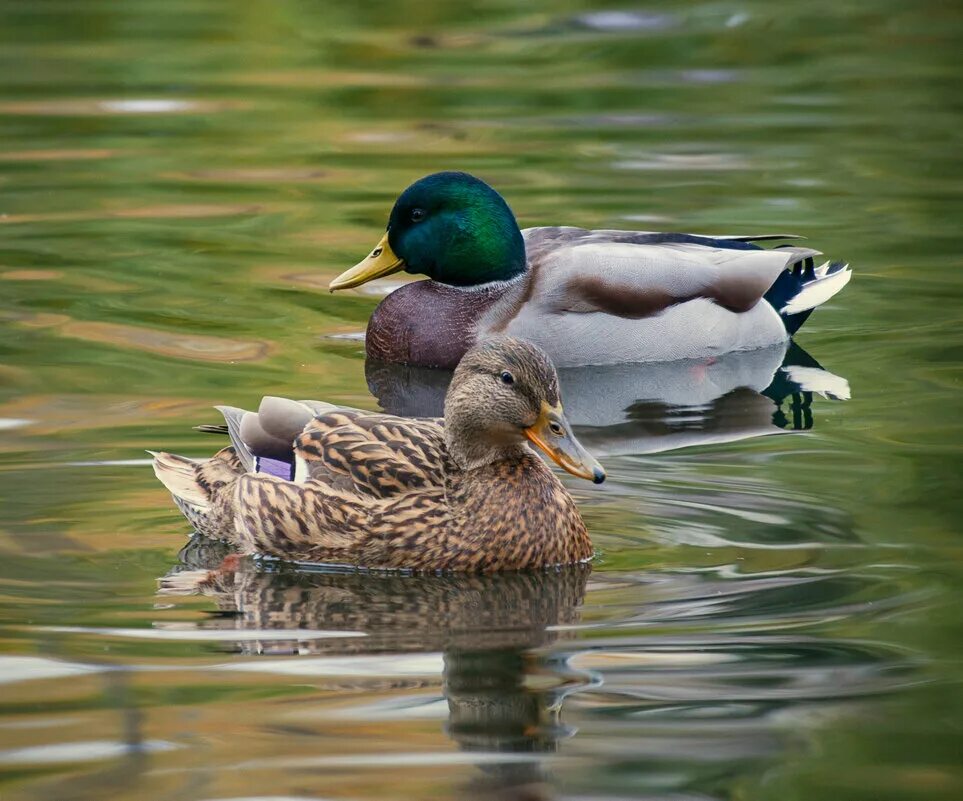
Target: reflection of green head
{"type": "Point", "coordinates": [456, 229]}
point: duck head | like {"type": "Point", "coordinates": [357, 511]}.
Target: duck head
{"type": "Point", "coordinates": [450, 226]}
{"type": "Point", "coordinates": [503, 395]}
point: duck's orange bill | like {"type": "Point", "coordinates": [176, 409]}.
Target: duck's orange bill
{"type": "Point", "coordinates": [553, 435]}
{"type": "Point", "coordinates": [380, 262]}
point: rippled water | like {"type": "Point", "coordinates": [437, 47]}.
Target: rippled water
{"type": "Point", "coordinates": [774, 610]}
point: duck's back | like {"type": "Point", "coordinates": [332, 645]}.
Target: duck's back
{"type": "Point", "coordinates": [601, 297]}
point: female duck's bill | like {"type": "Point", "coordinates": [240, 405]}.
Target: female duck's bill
{"type": "Point", "coordinates": [552, 434]}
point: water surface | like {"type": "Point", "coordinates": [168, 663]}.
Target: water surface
{"type": "Point", "coordinates": [774, 609]}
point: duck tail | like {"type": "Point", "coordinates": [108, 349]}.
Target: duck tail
{"type": "Point", "coordinates": [196, 484]}
{"type": "Point", "coordinates": [179, 475]}
{"type": "Point", "coordinates": [803, 286]}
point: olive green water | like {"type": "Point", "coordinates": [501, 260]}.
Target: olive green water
{"type": "Point", "coordinates": [774, 611]}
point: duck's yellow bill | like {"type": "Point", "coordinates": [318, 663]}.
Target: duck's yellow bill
{"type": "Point", "coordinates": [553, 435]}
{"type": "Point", "coordinates": [381, 261]}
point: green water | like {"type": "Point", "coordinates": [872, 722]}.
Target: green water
{"type": "Point", "coordinates": [769, 616]}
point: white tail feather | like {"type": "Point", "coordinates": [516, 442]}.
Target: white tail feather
{"type": "Point", "coordinates": [178, 475]}
{"type": "Point", "coordinates": [815, 379]}
{"type": "Point", "coordinates": [187, 582]}
{"type": "Point", "coordinates": [818, 291]}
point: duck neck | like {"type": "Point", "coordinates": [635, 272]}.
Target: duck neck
{"type": "Point", "coordinates": [493, 285]}
{"type": "Point", "coordinates": [472, 453]}
{"type": "Point", "coordinates": [513, 514]}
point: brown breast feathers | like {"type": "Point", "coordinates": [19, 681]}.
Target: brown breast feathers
{"type": "Point", "coordinates": [428, 323]}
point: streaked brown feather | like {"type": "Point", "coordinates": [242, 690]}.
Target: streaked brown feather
{"type": "Point", "coordinates": [385, 491]}
{"type": "Point", "coordinates": [373, 454]}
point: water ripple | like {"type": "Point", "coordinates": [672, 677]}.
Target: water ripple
{"type": "Point", "coordinates": [70, 107]}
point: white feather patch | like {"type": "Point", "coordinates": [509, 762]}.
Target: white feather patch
{"type": "Point", "coordinates": [818, 292]}
{"type": "Point", "coordinates": [177, 474]}
{"type": "Point", "coordinates": [300, 470]}
{"type": "Point", "coordinates": [814, 379]}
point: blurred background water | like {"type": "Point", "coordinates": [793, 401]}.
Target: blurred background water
{"type": "Point", "coordinates": [768, 617]}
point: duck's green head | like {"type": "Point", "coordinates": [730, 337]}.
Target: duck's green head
{"type": "Point", "coordinates": [451, 227]}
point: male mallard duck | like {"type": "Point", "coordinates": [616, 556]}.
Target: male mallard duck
{"type": "Point", "coordinates": [464, 493]}
{"type": "Point", "coordinates": [584, 297]}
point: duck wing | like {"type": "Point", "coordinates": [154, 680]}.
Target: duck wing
{"type": "Point", "coordinates": [353, 451]}
{"type": "Point", "coordinates": [634, 274]}
{"type": "Point", "coordinates": [373, 455]}
{"type": "Point", "coordinates": [370, 488]}
{"type": "Point", "coordinates": [267, 433]}
{"type": "Point", "coordinates": [315, 521]}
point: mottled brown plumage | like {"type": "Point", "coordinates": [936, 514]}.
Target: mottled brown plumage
{"type": "Point", "coordinates": [465, 493]}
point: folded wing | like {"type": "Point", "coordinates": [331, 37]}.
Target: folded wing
{"type": "Point", "coordinates": [375, 455]}
{"type": "Point", "coordinates": [636, 280]}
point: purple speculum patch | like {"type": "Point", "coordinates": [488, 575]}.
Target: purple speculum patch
{"type": "Point", "coordinates": [275, 467]}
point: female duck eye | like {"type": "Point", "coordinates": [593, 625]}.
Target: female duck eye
{"type": "Point", "coordinates": [417, 215]}
{"type": "Point", "coordinates": [507, 378]}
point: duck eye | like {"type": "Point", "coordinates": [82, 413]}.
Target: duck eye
{"type": "Point", "coordinates": [507, 378]}
{"type": "Point", "coordinates": [417, 215]}
{"type": "Point", "coordinates": [556, 429]}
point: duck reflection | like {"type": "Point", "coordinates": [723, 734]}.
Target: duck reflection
{"type": "Point", "coordinates": [686, 677]}
{"type": "Point", "coordinates": [646, 408]}
{"type": "Point", "coordinates": [396, 611]}
{"type": "Point", "coordinates": [499, 700]}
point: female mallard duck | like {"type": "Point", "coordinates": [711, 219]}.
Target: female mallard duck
{"type": "Point", "coordinates": [464, 493]}
{"type": "Point", "coordinates": [585, 297]}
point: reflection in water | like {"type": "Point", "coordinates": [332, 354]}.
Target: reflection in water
{"type": "Point", "coordinates": [484, 625]}
{"type": "Point", "coordinates": [645, 408]}
{"type": "Point", "coordinates": [708, 672]}
{"type": "Point", "coordinates": [397, 611]}
{"type": "Point", "coordinates": [196, 347]}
